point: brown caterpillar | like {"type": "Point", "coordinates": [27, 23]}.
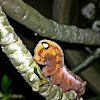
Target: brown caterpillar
{"type": "Point", "coordinates": [50, 54]}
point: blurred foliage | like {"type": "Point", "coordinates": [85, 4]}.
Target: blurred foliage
{"type": "Point", "coordinates": [5, 83]}
{"type": "Point", "coordinates": [5, 90]}
{"type": "Point", "coordinates": [95, 98]}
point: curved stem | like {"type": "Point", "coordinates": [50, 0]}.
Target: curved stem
{"type": "Point", "coordinates": [32, 19]}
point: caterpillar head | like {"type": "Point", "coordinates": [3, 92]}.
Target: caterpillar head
{"type": "Point", "coordinates": [47, 50]}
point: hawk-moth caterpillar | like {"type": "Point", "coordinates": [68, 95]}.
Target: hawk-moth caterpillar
{"type": "Point", "coordinates": [50, 54]}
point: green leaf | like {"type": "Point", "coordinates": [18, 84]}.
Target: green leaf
{"type": "Point", "coordinates": [5, 83]}
{"type": "Point", "coordinates": [1, 95]}
{"type": "Point", "coordinates": [5, 98]}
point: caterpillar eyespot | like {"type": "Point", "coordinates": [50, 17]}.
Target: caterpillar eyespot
{"type": "Point", "coordinates": [45, 44]}
{"type": "Point", "coordinates": [53, 59]}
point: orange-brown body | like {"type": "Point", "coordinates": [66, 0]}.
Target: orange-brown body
{"type": "Point", "coordinates": [50, 54]}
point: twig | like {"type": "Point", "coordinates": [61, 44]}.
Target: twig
{"type": "Point", "coordinates": [16, 96]}
{"type": "Point", "coordinates": [87, 61]}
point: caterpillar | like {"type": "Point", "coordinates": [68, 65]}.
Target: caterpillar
{"type": "Point", "coordinates": [50, 54]}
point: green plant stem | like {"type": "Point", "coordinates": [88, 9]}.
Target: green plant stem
{"type": "Point", "coordinates": [32, 19]}
{"type": "Point", "coordinates": [87, 61]}
{"type": "Point", "coordinates": [22, 60]}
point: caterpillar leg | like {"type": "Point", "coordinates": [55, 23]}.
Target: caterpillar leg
{"type": "Point", "coordinates": [57, 78]}
{"type": "Point", "coordinates": [66, 85]}
{"type": "Point", "coordinates": [48, 71]}
{"type": "Point", "coordinates": [80, 92]}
